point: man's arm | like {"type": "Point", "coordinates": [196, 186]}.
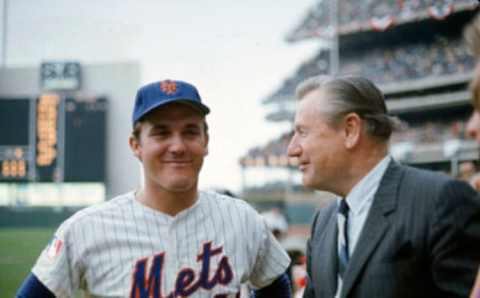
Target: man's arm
{"type": "Point", "coordinates": [33, 288]}
{"type": "Point", "coordinates": [455, 241]}
{"type": "Point", "coordinates": [280, 288]}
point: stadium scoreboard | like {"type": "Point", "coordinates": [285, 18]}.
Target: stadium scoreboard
{"type": "Point", "coordinates": [52, 138]}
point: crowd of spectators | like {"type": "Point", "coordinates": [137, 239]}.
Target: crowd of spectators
{"type": "Point", "coordinates": [414, 61]}
{"type": "Point", "coordinates": [430, 132]}
{"type": "Point", "coordinates": [390, 64]}
{"type": "Point", "coordinates": [272, 154]}
{"type": "Point", "coordinates": [357, 14]}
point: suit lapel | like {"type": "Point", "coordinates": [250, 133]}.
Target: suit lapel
{"type": "Point", "coordinates": [375, 225]}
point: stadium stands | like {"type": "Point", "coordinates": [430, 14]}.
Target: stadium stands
{"type": "Point", "coordinates": [415, 52]}
{"type": "Point", "coordinates": [364, 15]}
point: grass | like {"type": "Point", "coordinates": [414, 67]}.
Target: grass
{"type": "Point", "coordinates": [19, 249]}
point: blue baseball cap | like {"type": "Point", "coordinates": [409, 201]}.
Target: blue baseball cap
{"type": "Point", "coordinates": [157, 94]}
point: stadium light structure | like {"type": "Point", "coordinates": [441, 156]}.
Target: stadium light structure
{"type": "Point", "coordinates": [334, 50]}
{"type": "Point", "coordinates": [451, 150]}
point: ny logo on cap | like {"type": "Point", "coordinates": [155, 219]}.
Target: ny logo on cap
{"type": "Point", "coordinates": [168, 87]}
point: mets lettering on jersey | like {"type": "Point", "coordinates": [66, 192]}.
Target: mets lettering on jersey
{"type": "Point", "coordinates": [187, 282]}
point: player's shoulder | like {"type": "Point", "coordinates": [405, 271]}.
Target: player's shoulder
{"type": "Point", "coordinates": [226, 201]}
{"type": "Point", "coordinates": [95, 211]}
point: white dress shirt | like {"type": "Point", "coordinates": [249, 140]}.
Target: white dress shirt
{"type": "Point", "coordinates": [359, 200]}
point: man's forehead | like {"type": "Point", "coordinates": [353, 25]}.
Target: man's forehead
{"type": "Point", "coordinates": [312, 105]}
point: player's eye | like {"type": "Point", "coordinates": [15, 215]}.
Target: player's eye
{"type": "Point", "coordinates": [160, 132]}
{"type": "Point", "coordinates": [192, 132]}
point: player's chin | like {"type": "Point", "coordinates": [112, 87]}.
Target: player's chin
{"type": "Point", "coordinates": [181, 184]}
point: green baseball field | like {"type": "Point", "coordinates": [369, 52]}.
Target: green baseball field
{"type": "Point", "coordinates": [19, 248]}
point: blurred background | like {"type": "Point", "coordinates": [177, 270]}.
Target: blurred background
{"type": "Point", "coordinates": [69, 72]}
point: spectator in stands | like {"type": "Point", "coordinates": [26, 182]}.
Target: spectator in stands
{"type": "Point", "coordinates": [276, 222]}
{"type": "Point", "coordinates": [466, 170]}
{"type": "Point", "coordinates": [395, 231]}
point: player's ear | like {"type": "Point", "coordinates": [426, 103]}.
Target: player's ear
{"type": "Point", "coordinates": [135, 146]}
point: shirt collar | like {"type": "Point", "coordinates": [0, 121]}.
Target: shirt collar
{"type": "Point", "coordinates": [365, 189]}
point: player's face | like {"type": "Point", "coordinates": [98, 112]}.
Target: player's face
{"type": "Point", "coordinates": [172, 146]}
{"type": "Point", "coordinates": [317, 145]}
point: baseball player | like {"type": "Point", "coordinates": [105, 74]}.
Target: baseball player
{"type": "Point", "coordinates": [168, 239]}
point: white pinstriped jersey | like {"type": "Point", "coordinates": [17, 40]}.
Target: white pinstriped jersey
{"type": "Point", "coordinates": [122, 248]}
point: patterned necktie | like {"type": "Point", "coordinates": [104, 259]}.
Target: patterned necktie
{"type": "Point", "coordinates": [343, 239]}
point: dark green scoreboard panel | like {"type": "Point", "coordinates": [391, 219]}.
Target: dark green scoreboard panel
{"type": "Point", "coordinates": [52, 138]}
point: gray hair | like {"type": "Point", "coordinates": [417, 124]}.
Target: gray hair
{"type": "Point", "coordinates": [352, 95]}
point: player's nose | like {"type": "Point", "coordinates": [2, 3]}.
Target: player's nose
{"type": "Point", "coordinates": [177, 145]}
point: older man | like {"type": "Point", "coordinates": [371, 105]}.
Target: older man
{"type": "Point", "coordinates": [394, 231]}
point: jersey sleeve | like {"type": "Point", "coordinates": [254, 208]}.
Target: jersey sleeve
{"type": "Point", "coordinates": [271, 260]}
{"type": "Point", "coordinates": [57, 267]}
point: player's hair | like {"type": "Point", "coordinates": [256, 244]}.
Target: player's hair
{"type": "Point", "coordinates": [351, 94]}
{"type": "Point", "coordinates": [471, 34]}
{"type": "Point", "coordinates": [137, 127]}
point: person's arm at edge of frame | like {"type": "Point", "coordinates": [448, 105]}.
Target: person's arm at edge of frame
{"type": "Point", "coordinates": [33, 288]}
{"type": "Point", "coordinates": [476, 287]}
{"type": "Point", "coordinates": [280, 288]}
{"type": "Point", "coordinates": [456, 239]}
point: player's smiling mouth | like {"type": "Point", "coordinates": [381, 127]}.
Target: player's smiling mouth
{"type": "Point", "coordinates": [179, 162]}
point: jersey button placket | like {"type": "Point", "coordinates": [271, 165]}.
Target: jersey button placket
{"type": "Point", "coordinates": [173, 245]}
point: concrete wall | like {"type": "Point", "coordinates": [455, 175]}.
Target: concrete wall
{"type": "Point", "coordinates": [117, 81]}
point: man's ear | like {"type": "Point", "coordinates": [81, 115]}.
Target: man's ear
{"type": "Point", "coordinates": [136, 147]}
{"type": "Point", "coordinates": [352, 128]}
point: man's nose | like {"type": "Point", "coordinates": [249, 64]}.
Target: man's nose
{"type": "Point", "coordinates": [293, 148]}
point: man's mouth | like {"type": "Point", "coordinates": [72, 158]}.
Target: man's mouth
{"type": "Point", "coordinates": [302, 167]}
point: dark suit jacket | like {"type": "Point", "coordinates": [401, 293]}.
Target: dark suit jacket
{"type": "Point", "coordinates": [421, 238]}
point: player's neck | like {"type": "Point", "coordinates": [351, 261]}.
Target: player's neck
{"type": "Point", "coordinates": [165, 201]}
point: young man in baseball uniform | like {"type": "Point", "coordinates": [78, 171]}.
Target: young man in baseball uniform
{"type": "Point", "coordinates": [168, 239]}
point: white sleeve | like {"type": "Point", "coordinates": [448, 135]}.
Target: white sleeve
{"type": "Point", "coordinates": [54, 266]}
{"type": "Point", "coordinates": [271, 259]}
